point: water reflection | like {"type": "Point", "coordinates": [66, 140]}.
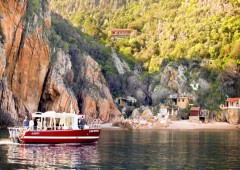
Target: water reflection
{"type": "Point", "coordinates": [49, 156]}
{"type": "Point", "coordinates": [171, 149]}
{"type": "Point", "coordinates": [122, 149]}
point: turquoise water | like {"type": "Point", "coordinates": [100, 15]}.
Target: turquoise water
{"type": "Point", "coordinates": [122, 149]}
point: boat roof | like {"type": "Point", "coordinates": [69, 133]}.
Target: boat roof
{"type": "Point", "coordinates": [53, 114]}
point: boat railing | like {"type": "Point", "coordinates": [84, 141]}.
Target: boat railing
{"type": "Point", "coordinates": [14, 133]}
{"type": "Point", "coordinates": [95, 124]}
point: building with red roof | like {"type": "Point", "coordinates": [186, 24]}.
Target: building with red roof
{"type": "Point", "coordinates": [233, 102]}
{"type": "Point", "coordinates": [121, 33]}
{"type": "Point", "coordinates": [195, 111]}
{"type": "Point", "coordinates": [194, 114]}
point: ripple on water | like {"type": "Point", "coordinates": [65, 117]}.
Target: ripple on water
{"type": "Point", "coordinates": [121, 149]}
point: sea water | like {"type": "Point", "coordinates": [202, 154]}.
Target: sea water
{"type": "Point", "coordinates": [124, 149]}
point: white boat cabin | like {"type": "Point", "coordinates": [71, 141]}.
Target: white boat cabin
{"type": "Point", "coordinates": [51, 120]}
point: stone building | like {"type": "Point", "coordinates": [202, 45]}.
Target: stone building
{"type": "Point", "coordinates": [182, 102]}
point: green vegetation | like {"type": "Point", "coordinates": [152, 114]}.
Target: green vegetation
{"type": "Point", "coordinates": [166, 33]}
{"type": "Point", "coordinates": [166, 29]}
{"type": "Point", "coordinates": [35, 15]}
{"type": "Point", "coordinates": [212, 98]}
{"type": "Point", "coordinates": [74, 42]}
{"type": "Point", "coordinates": [33, 6]}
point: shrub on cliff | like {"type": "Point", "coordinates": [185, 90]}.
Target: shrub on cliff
{"type": "Point", "coordinates": [32, 7]}
{"type": "Point", "coordinates": [73, 41]}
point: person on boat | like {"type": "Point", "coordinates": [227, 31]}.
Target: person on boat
{"type": "Point", "coordinates": [26, 122]}
{"type": "Point", "coordinates": [35, 124]}
{"type": "Point", "coordinates": [39, 126]}
{"type": "Point", "coordinates": [31, 124]}
{"type": "Point", "coordinates": [79, 121]}
{"type": "Point", "coordinates": [82, 123]}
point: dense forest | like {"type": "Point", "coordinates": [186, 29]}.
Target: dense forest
{"type": "Point", "coordinates": [163, 29]}
{"type": "Point", "coordinates": [165, 33]}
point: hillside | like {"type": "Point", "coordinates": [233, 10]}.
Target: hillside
{"type": "Point", "coordinates": [39, 71]}
{"type": "Point", "coordinates": [174, 45]}
{"type": "Point", "coordinates": [163, 29]}
{"type": "Point", "coordinates": [52, 59]}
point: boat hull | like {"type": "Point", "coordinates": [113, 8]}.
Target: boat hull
{"type": "Point", "coordinates": [61, 136]}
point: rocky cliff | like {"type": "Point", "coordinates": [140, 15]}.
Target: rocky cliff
{"type": "Point", "coordinates": [35, 77]}
{"type": "Point", "coordinates": [25, 59]}
{"type": "Point", "coordinates": [83, 87]}
{"type": "Point", "coordinates": [97, 101]}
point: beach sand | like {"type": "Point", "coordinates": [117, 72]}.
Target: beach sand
{"type": "Point", "coordinates": [186, 124]}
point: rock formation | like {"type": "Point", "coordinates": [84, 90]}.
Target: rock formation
{"type": "Point", "coordinates": [56, 95]}
{"type": "Point", "coordinates": [26, 57]}
{"type": "Point", "coordinates": [93, 97]}
{"type": "Point", "coordinates": [34, 77]}
{"type": "Point", "coordinates": [121, 66]}
{"type": "Point", "coordinates": [142, 119]}
{"type": "Point", "coordinates": [232, 115]}
{"type": "Point", "coordinates": [96, 97]}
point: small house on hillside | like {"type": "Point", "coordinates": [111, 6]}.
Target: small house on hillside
{"type": "Point", "coordinates": [129, 101]}
{"type": "Point", "coordinates": [163, 111]}
{"type": "Point", "coordinates": [182, 102]}
{"type": "Point", "coordinates": [121, 33]}
{"type": "Point", "coordinates": [233, 102]}
{"type": "Point", "coordinates": [173, 98]}
{"type": "Point", "coordinates": [168, 112]}
{"type": "Point", "coordinates": [194, 114]}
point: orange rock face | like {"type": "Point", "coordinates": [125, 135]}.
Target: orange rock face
{"type": "Point", "coordinates": [30, 71]}
{"type": "Point", "coordinates": [96, 97]}
{"type": "Point", "coordinates": [2, 61]}
{"type": "Point", "coordinates": [29, 83]}
{"type": "Point", "coordinates": [12, 16]}
{"type": "Point", "coordinates": [56, 96]}
{"type": "Point", "coordinates": [26, 56]}
{"type": "Point", "coordinates": [93, 98]}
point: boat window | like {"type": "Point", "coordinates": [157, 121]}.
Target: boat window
{"type": "Point", "coordinates": [66, 122]}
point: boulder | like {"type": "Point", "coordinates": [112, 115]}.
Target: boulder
{"type": "Point", "coordinates": [147, 114]}
{"type": "Point", "coordinates": [135, 114]}
{"type": "Point", "coordinates": [233, 116]}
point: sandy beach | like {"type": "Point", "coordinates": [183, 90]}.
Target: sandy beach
{"type": "Point", "coordinates": [186, 125]}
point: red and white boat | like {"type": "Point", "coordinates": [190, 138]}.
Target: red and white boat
{"type": "Point", "coordinates": [55, 128]}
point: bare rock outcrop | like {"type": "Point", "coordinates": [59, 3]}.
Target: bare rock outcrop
{"type": "Point", "coordinates": [232, 116]}
{"type": "Point", "coordinates": [142, 118]}
{"type": "Point", "coordinates": [89, 95]}
{"type": "Point", "coordinates": [121, 66]}
{"type": "Point", "coordinates": [25, 54]}
{"type": "Point", "coordinates": [135, 114]}
{"type": "Point", "coordinates": [2, 61]}
{"type": "Point", "coordinates": [30, 81]}
{"type": "Point", "coordinates": [147, 114]}
{"type": "Point", "coordinates": [57, 96]}
{"type": "Point", "coordinates": [95, 95]}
